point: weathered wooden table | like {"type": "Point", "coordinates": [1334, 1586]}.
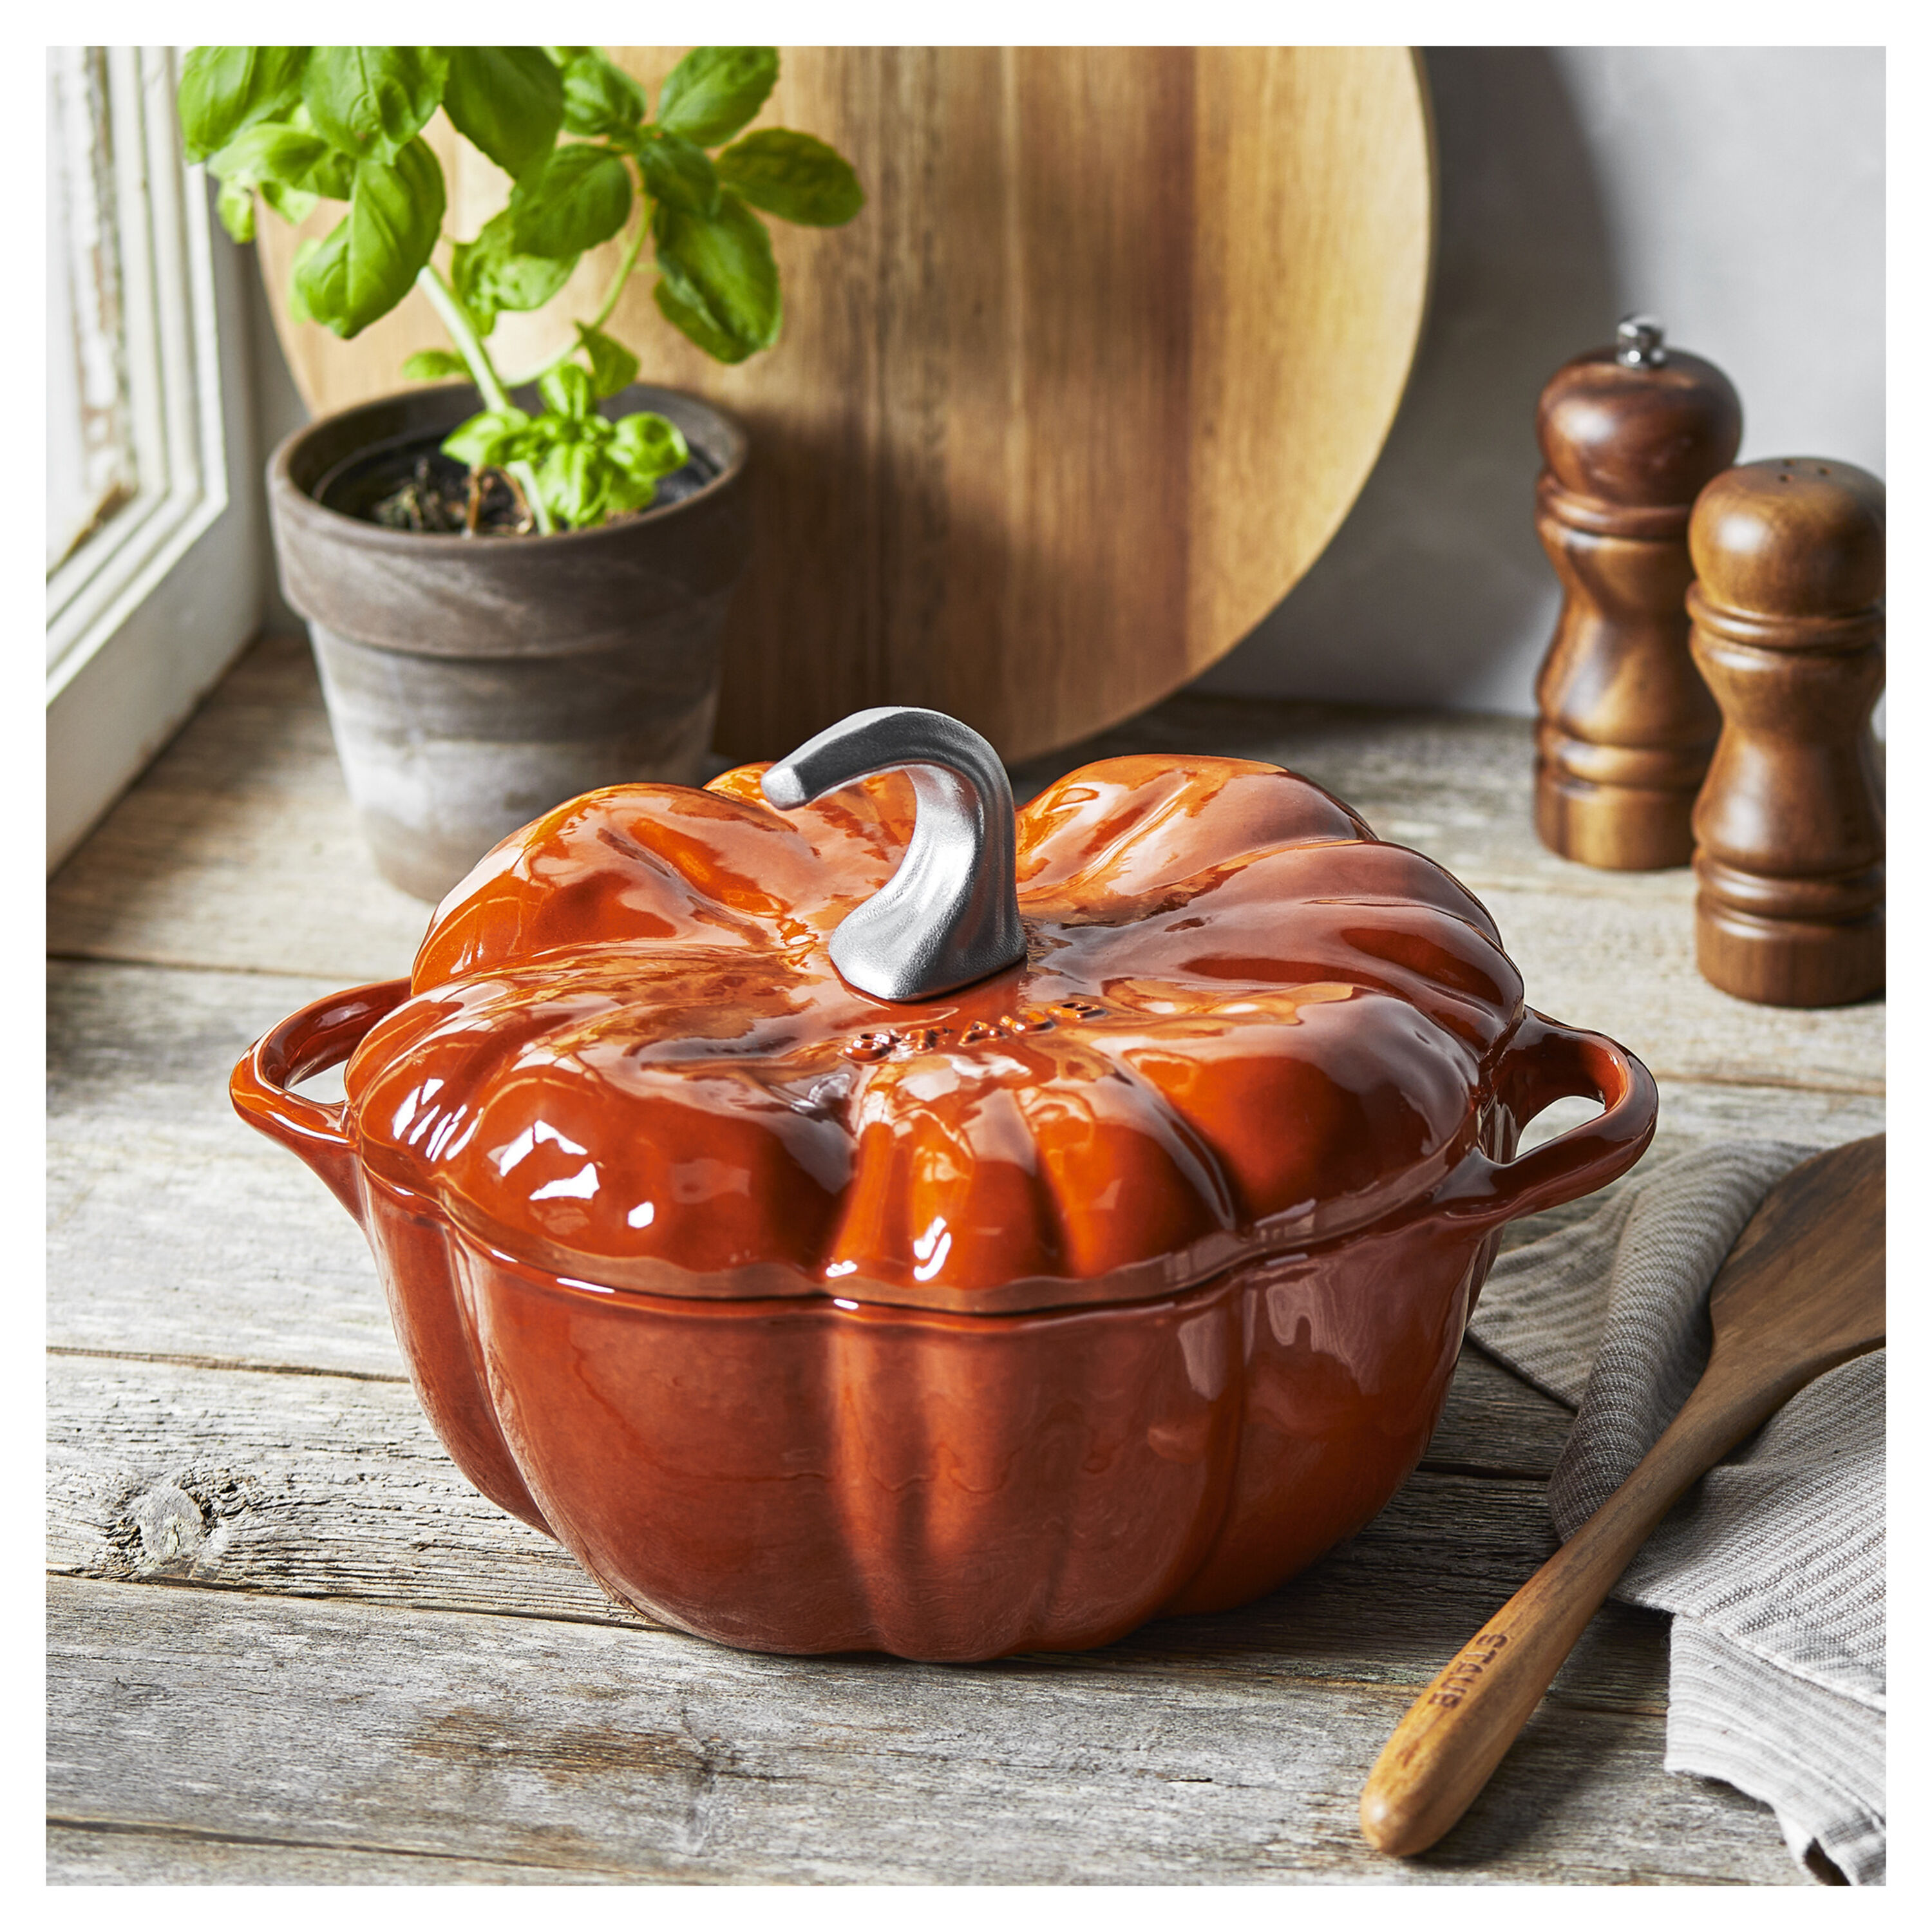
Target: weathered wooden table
{"type": "Point", "coordinates": [288, 1643]}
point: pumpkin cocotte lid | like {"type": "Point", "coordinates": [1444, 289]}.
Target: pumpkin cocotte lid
{"type": "Point", "coordinates": [1234, 1022]}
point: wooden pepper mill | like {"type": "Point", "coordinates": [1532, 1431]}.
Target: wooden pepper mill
{"type": "Point", "coordinates": [1629, 434]}
{"type": "Point", "coordinates": [1788, 627]}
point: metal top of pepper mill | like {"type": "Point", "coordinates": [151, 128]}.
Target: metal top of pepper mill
{"type": "Point", "coordinates": [1640, 342]}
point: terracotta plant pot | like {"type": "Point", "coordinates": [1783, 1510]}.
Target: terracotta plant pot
{"type": "Point", "coordinates": [474, 682]}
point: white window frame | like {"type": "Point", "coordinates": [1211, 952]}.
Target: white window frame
{"type": "Point", "coordinates": [146, 615]}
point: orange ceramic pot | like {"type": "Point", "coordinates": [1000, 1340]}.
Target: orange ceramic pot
{"type": "Point", "coordinates": [1119, 1283]}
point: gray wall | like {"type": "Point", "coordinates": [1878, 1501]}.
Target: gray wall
{"type": "Point", "coordinates": [1738, 193]}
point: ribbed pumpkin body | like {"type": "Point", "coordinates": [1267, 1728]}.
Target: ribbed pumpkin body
{"type": "Point", "coordinates": [1119, 1283]}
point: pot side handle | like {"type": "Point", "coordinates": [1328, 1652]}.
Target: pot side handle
{"type": "Point", "coordinates": [322, 1034]}
{"type": "Point", "coordinates": [1547, 1061]}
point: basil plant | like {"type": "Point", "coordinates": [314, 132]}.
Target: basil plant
{"type": "Point", "coordinates": [587, 161]}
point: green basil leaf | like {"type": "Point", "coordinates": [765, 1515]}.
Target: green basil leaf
{"type": "Point", "coordinates": [305, 253]}
{"type": "Point", "coordinates": [679, 173]}
{"type": "Point", "coordinates": [793, 176]}
{"type": "Point", "coordinates": [272, 155]}
{"type": "Point", "coordinates": [563, 56]}
{"type": "Point", "coordinates": [371, 102]}
{"type": "Point", "coordinates": [488, 440]}
{"type": "Point", "coordinates": [646, 446]}
{"type": "Point", "coordinates": [600, 98]}
{"type": "Point", "coordinates": [567, 389]}
{"type": "Point", "coordinates": [713, 91]}
{"type": "Point", "coordinates": [330, 174]}
{"type": "Point", "coordinates": [224, 89]}
{"type": "Point", "coordinates": [470, 278]}
{"type": "Point", "coordinates": [507, 101]}
{"type": "Point", "coordinates": [612, 367]}
{"type": "Point", "coordinates": [695, 324]}
{"type": "Point", "coordinates": [623, 491]}
{"type": "Point", "coordinates": [368, 261]}
{"type": "Point", "coordinates": [235, 205]}
{"type": "Point", "coordinates": [722, 269]}
{"type": "Point", "coordinates": [317, 284]}
{"type": "Point", "coordinates": [490, 276]}
{"type": "Point", "coordinates": [579, 196]}
{"type": "Point", "coordinates": [291, 204]}
{"type": "Point", "coordinates": [572, 478]}
{"type": "Point", "coordinates": [435, 365]}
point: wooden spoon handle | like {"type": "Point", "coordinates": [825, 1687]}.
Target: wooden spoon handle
{"type": "Point", "coordinates": [1455, 1734]}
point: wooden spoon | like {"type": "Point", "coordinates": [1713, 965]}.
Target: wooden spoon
{"type": "Point", "coordinates": [1802, 1290]}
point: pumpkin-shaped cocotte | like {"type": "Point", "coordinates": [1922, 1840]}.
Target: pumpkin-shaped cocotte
{"type": "Point", "coordinates": [1122, 1278]}
{"type": "Point", "coordinates": [1242, 1024]}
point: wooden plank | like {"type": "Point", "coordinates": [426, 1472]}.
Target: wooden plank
{"type": "Point", "coordinates": [324, 1486]}
{"type": "Point", "coordinates": [578, 1748]}
{"type": "Point", "coordinates": [1487, 1425]}
{"type": "Point", "coordinates": [1627, 970]}
{"type": "Point", "coordinates": [1691, 1114]}
{"type": "Point", "coordinates": [173, 1228]}
{"type": "Point", "coordinates": [237, 848]}
{"type": "Point", "coordinates": [82, 1852]}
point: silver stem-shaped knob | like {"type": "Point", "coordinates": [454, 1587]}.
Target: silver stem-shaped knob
{"type": "Point", "coordinates": [950, 914]}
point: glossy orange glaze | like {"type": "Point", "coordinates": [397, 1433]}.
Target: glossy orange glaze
{"type": "Point", "coordinates": [1242, 1022]}
{"type": "Point", "coordinates": [1122, 1283]}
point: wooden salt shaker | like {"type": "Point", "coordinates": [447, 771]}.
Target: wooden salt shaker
{"type": "Point", "coordinates": [1788, 629]}
{"type": "Point", "coordinates": [1629, 434]}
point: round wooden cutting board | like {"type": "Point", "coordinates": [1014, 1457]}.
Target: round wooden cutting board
{"type": "Point", "coordinates": [1072, 405]}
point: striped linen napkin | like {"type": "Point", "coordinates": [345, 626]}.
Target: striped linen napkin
{"type": "Point", "coordinates": [1773, 1566]}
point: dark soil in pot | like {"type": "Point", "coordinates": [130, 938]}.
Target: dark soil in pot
{"type": "Point", "coordinates": [475, 681]}
{"type": "Point", "coordinates": [409, 485]}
